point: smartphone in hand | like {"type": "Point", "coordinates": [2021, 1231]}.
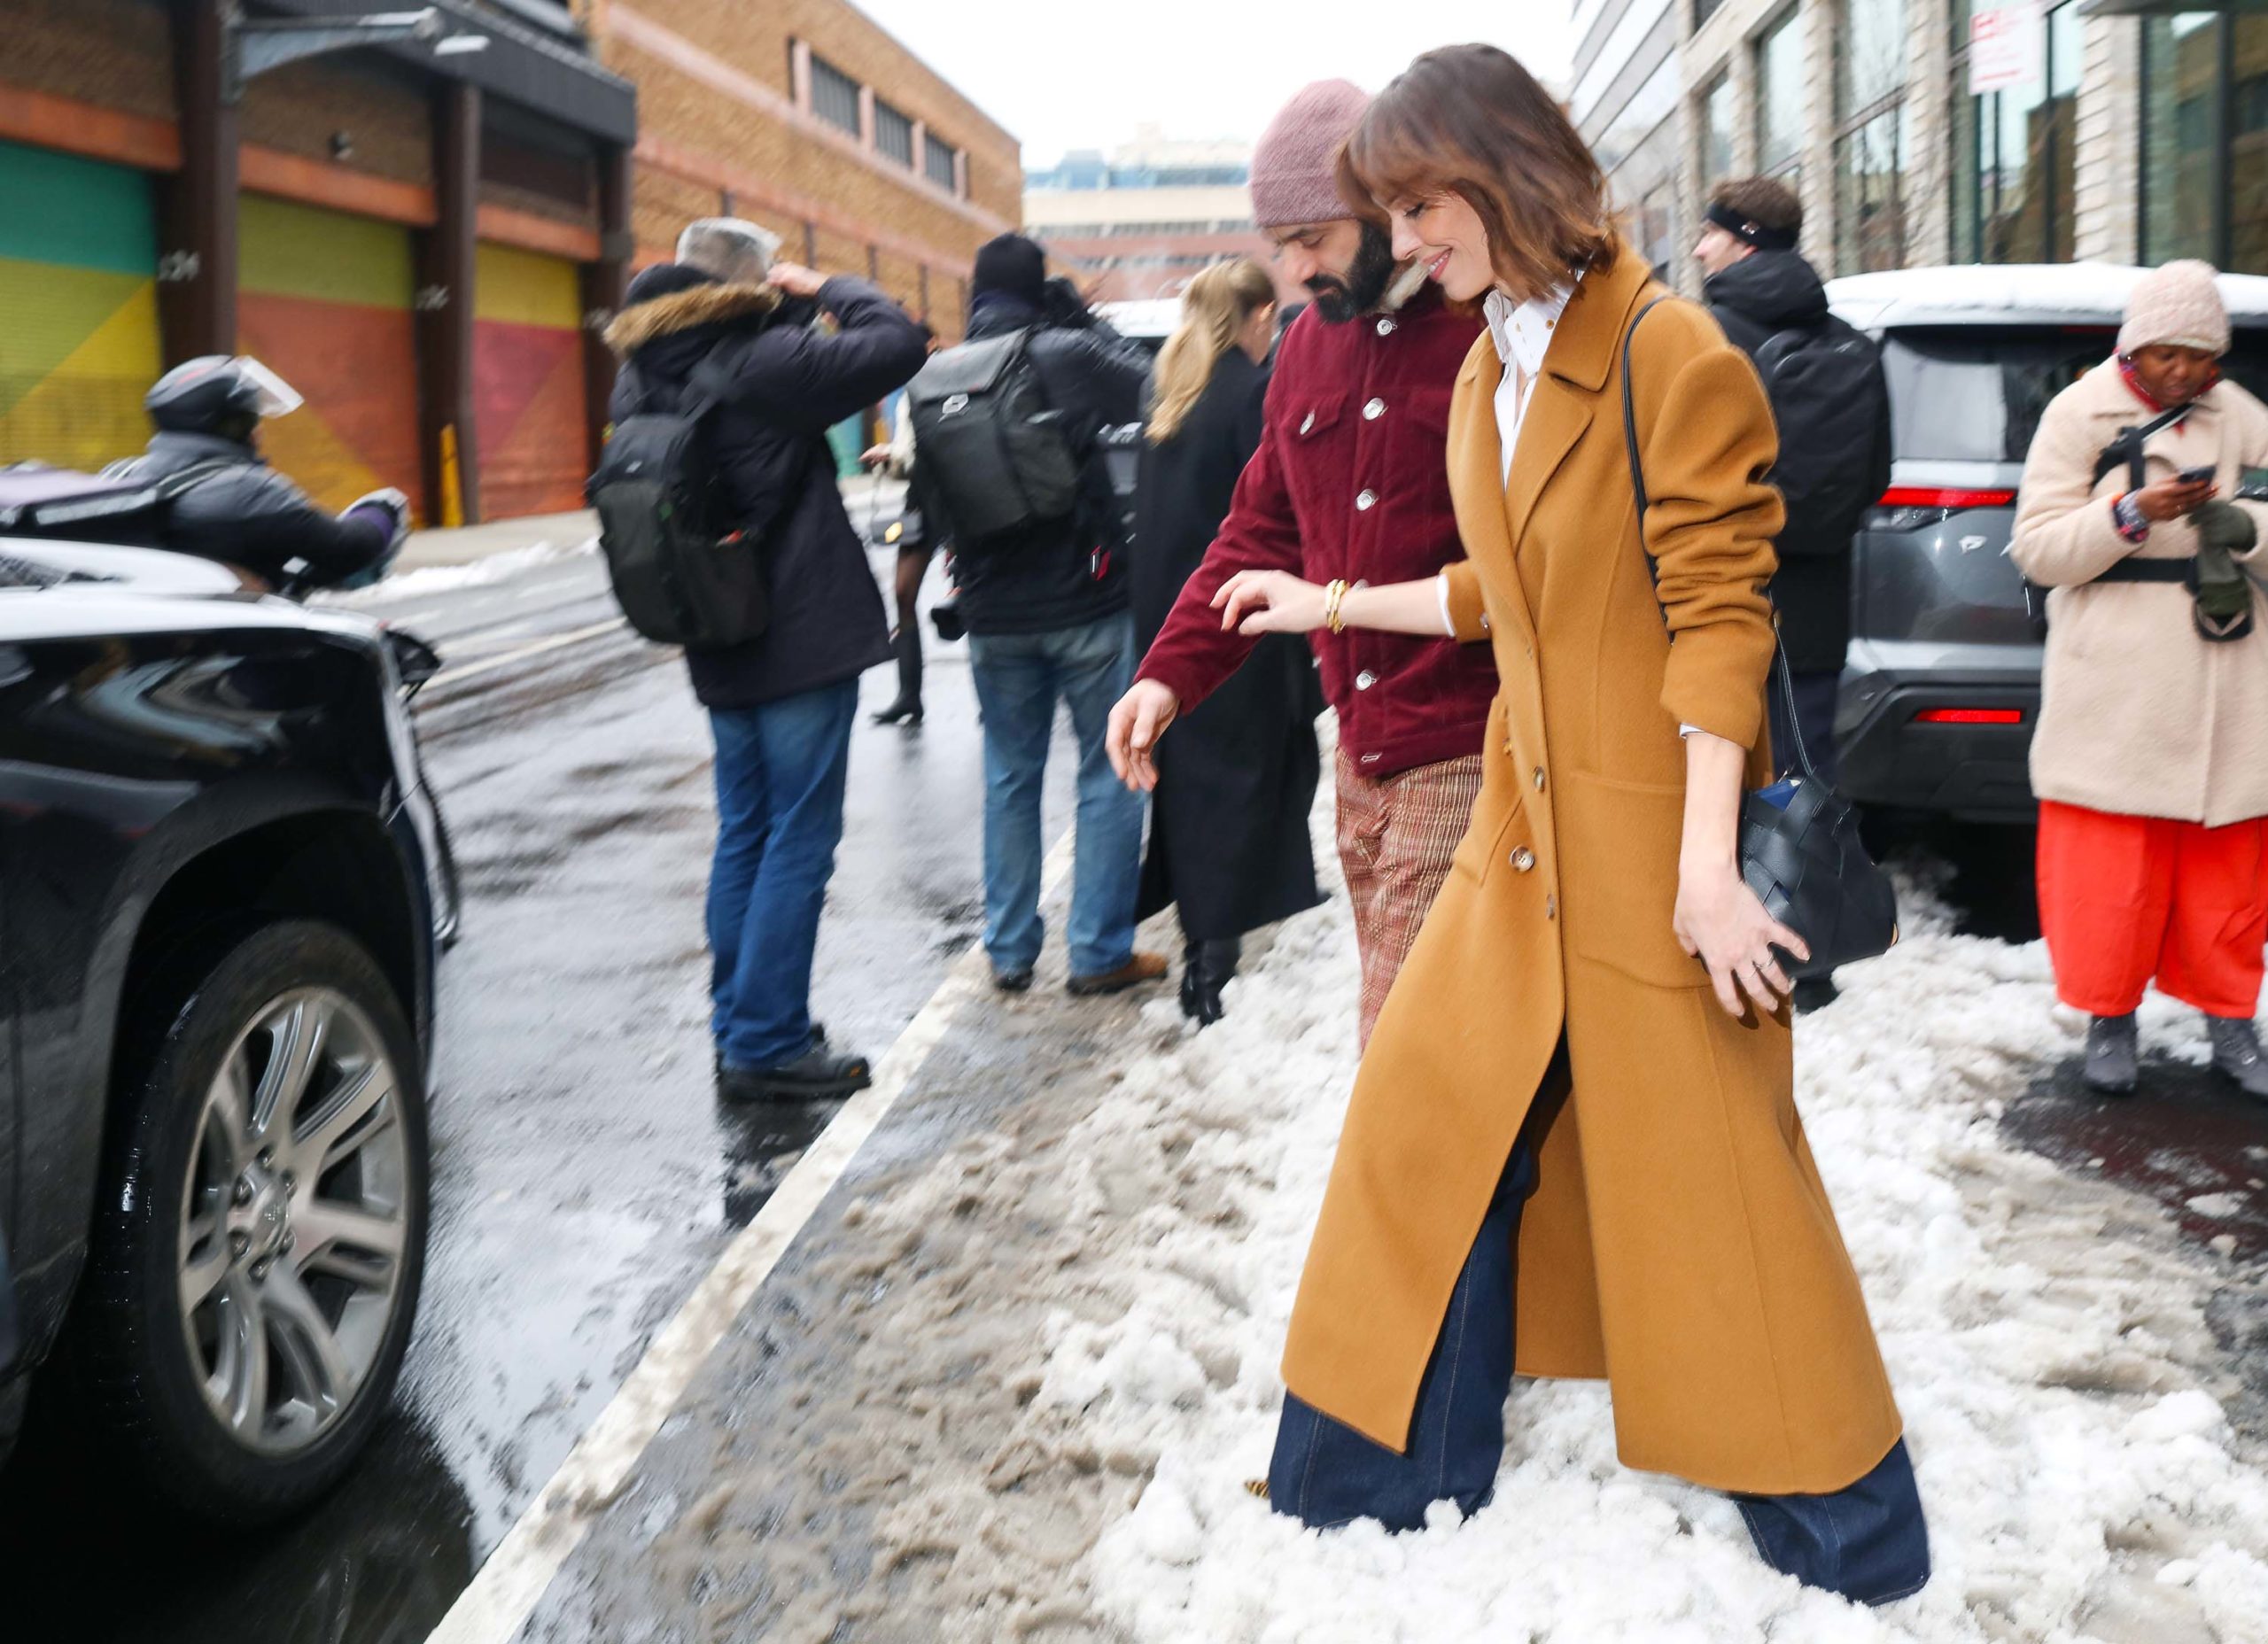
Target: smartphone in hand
{"type": "Point", "coordinates": [2199, 475]}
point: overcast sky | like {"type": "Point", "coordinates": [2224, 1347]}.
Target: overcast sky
{"type": "Point", "coordinates": [1074, 73]}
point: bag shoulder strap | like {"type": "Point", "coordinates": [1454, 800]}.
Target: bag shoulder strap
{"type": "Point", "coordinates": [2127, 448]}
{"type": "Point", "coordinates": [1782, 680]}
{"type": "Point", "coordinates": [711, 380]}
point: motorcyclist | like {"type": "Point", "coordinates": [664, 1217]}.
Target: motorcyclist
{"type": "Point", "coordinates": [227, 504]}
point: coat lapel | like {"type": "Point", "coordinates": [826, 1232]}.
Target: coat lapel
{"type": "Point", "coordinates": [1556, 417]}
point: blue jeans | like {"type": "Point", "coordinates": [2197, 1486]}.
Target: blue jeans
{"type": "Point", "coordinates": [1020, 676]}
{"type": "Point", "coordinates": [1866, 1542]}
{"type": "Point", "coordinates": [781, 770]}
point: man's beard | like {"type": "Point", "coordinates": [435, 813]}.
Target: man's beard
{"type": "Point", "coordinates": [1339, 298]}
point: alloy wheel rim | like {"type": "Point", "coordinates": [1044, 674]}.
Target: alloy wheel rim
{"type": "Point", "coordinates": [294, 1221]}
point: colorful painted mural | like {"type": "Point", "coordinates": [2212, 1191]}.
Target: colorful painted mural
{"type": "Point", "coordinates": [325, 302]}
{"type": "Point", "coordinates": [528, 377]}
{"type": "Point", "coordinates": [79, 347]}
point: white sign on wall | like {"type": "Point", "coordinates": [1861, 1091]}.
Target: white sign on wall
{"type": "Point", "coordinates": [2004, 48]}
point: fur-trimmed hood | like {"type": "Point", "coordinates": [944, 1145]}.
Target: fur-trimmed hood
{"type": "Point", "coordinates": [752, 306]}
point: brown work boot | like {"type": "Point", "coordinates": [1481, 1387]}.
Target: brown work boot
{"type": "Point", "coordinates": [1141, 968]}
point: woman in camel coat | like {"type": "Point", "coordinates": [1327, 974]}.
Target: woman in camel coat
{"type": "Point", "coordinates": [1592, 1028]}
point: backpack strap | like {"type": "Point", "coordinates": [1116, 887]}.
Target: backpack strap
{"type": "Point", "coordinates": [2127, 448]}
{"type": "Point", "coordinates": [1783, 680]}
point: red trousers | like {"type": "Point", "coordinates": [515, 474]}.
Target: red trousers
{"type": "Point", "coordinates": [2123, 899]}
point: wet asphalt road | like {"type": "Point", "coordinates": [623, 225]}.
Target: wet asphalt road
{"type": "Point", "coordinates": [585, 1177]}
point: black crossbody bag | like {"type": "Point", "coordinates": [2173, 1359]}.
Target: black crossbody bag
{"type": "Point", "coordinates": [1799, 847]}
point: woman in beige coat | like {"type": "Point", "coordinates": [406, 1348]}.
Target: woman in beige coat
{"type": "Point", "coordinates": [1577, 1106]}
{"type": "Point", "coordinates": [2151, 758]}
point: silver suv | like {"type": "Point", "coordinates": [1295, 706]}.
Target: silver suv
{"type": "Point", "coordinates": [1941, 684]}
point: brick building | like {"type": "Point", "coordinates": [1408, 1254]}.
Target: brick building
{"type": "Point", "coordinates": [424, 242]}
{"type": "Point", "coordinates": [806, 116]}
{"type": "Point", "coordinates": [2113, 130]}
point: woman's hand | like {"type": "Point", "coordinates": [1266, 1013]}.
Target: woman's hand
{"type": "Point", "coordinates": [1269, 602]}
{"type": "Point", "coordinates": [1720, 922]}
{"type": "Point", "coordinates": [2171, 499]}
{"type": "Point", "coordinates": [1132, 737]}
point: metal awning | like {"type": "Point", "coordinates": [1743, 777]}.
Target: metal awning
{"type": "Point", "coordinates": [524, 63]}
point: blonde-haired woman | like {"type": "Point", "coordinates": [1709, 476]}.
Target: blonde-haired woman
{"type": "Point", "coordinates": [1229, 830]}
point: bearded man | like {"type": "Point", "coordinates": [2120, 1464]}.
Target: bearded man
{"type": "Point", "coordinates": [1349, 486]}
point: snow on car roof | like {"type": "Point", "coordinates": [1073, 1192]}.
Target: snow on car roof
{"type": "Point", "coordinates": [2069, 293]}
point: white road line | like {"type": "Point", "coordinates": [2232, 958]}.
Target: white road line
{"type": "Point", "coordinates": [508, 1587]}
{"type": "Point", "coordinates": [489, 664]}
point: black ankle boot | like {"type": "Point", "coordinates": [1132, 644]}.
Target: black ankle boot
{"type": "Point", "coordinates": [906, 711]}
{"type": "Point", "coordinates": [1206, 968]}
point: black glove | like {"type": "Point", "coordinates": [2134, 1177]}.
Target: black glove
{"type": "Point", "coordinates": [1060, 302]}
{"type": "Point", "coordinates": [2225, 526]}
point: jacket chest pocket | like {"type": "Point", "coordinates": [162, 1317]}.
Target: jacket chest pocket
{"type": "Point", "coordinates": [1317, 462]}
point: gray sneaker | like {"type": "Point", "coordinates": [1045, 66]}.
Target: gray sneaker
{"type": "Point", "coordinates": [2113, 1064]}
{"type": "Point", "coordinates": [2236, 1053]}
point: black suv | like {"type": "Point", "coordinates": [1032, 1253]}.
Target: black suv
{"type": "Point", "coordinates": [216, 964]}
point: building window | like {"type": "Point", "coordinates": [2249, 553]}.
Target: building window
{"type": "Point", "coordinates": [1870, 137]}
{"type": "Point", "coordinates": [1779, 98]}
{"type": "Point", "coordinates": [939, 162]}
{"type": "Point", "coordinates": [2205, 139]}
{"type": "Point", "coordinates": [835, 95]}
{"type": "Point", "coordinates": [1716, 129]}
{"type": "Point", "coordinates": [2015, 155]}
{"type": "Point", "coordinates": [893, 133]}
{"type": "Point", "coordinates": [1703, 10]}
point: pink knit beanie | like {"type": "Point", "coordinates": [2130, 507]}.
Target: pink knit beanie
{"type": "Point", "coordinates": [2177, 304]}
{"type": "Point", "coordinates": [1292, 164]}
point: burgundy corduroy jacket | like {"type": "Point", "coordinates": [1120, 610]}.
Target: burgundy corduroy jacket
{"type": "Point", "coordinates": [1351, 480]}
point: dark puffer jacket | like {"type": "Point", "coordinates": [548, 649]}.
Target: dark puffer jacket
{"type": "Point", "coordinates": [1755, 299]}
{"type": "Point", "coordinates": [1060, 573]}
{"type": "Point", "coordinates": [769, 439]}
{"type": "Point", "coordinates": [249, 515]}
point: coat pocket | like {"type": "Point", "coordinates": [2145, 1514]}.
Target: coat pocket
{"type": "Point", "coordinates": [1618, 875]}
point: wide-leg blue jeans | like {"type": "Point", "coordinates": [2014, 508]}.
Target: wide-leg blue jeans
{"type": "Point", "coordinates": [1867, 1542]}
{"type": "Point", "coordinates": [782, 769]}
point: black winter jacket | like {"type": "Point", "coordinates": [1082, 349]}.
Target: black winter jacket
{"type": "Point", "coordinates": [1755, 299]}
{"type": "Point", "coordinates": [769, 440]}
{"type": "Point", "coordinates": [1061, 573]}
{"type": "Point", "coordinates": [249, 515]}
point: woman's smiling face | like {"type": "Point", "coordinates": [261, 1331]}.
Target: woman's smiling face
{"type": "Point", "coordinates": [1445, 236]}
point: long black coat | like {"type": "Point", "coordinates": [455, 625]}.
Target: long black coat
{"type": "Point", "coordinates": [1237, 774]}
{"type": "Point", "coordinates": [769, 439]}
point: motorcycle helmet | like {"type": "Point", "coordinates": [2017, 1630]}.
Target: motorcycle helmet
{"type": "Point", "coordinates": [198, 397]}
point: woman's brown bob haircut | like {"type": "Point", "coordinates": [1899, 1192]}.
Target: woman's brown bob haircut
{"type": "Point", "coordinates": [1470, 122]}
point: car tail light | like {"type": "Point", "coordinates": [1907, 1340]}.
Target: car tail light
{"type": "Point", "coordinates": [1911, 507]}
{"type": "Point", "coordinates": [1970, 716]}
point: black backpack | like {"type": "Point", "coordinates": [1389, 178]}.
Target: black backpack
{"type": "Point", "coordinates": [682, 573]}
{"type": "Point", "coordinates": [986, 441]}
{"type": "Point", "coordinates": [1825, 383]}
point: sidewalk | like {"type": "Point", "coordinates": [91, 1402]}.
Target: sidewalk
{"type": "Point", "coordinates": [469, 544]}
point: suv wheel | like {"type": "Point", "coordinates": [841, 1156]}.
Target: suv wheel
{"type": "Point", "coordinates": [261, 1237]}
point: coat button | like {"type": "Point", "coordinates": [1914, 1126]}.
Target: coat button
{"type": "Point", "coordinates": [1386, 325]}
{"type": "Point", "coordinates": [1373, 410]}
{"type": "Point", "coordinates": [1551, 907]}
{"type": "Point", "coordinates": [1539, 779]}
{"type": "Point", "coordinates": [1363, 500]}
{"type": "Point", "coordinates": [1365, 680]}
{"type": "Point", "coordinates": [1307, 423]}
{"type": "Point", "coordinates": [1523, 859]}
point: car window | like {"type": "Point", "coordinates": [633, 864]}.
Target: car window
{"type": "Point", "coordinates": [1974, 394]}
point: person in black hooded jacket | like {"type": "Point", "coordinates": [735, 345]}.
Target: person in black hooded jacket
{"type": "Point", "coordinates": [781, 706]}
{"type": "Point", "coordinates": [1832, 406]}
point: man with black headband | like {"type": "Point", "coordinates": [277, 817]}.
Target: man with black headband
{"type": "Point", "coordinates": [1828, 395]}
{"type": "Point", "coordinates": [1350, 485]}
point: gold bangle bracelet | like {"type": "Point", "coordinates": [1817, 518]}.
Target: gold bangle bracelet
{"type": "Point", "coordinates": [1333, 597]}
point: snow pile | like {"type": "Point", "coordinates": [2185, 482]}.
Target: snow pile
{"type": "Point", "coordinates": [2045, 1335]}
{"type": "Point", "coordinates": [473, 574]}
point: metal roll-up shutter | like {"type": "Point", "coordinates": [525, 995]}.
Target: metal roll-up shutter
{"type": "Point", "coordinates": [527, 382]}
{"type": "Point", "coordinates": [78, 308]}
{"type": "Point", "coordinates": [326, 305]}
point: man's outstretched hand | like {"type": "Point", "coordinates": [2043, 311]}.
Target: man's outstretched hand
{"type": "Point", "coordinates": [1136, 725]}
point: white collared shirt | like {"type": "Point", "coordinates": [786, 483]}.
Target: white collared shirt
{"type": "Point", "coordinates": [1522, 333]}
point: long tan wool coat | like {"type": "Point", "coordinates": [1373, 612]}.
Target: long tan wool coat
{"type": "Point", "coordinates": [1680, 1243]}
{"type": "Point", "coordinates": [2139, 713]}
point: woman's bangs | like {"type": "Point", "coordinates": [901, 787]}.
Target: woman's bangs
{"type": "Point", "coordinates": [1390, 161]}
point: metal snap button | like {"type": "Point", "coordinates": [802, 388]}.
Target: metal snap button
{"type": "Point", "coordinates": [1484, 622]}
{"type": "Point", "coordinates": [1365, 680]}
{"type": "Point", "coordinates": [1363, 500]}
{"type": "Point", "coordinates": [1385, 326]}
{"type": "Point", "coordinates": [1374, 410]}
{"type": "Point", "coordinates": [1539, 779]}
{"type": "Point", "coordinates": [1307, 423]}
{"type": "Point", "coordinates": [1523, 859]}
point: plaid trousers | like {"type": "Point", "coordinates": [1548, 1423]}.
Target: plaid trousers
{"type": "Point", "coordinates": [1396, 834]}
